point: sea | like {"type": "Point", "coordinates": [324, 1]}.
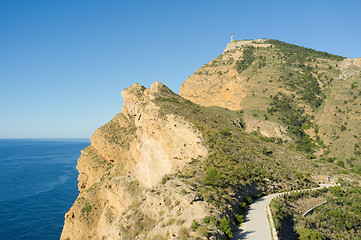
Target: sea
{"type": "Point", "coordinates": [38, 185]}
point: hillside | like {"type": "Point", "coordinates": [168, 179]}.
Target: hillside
{"type": "Point", "coordinates": [165, 164]}
{"type": "Point", "coordinates": [337, 215]}
{"type": "Point", "coordinates": [263, 117]}
{"type": "Point", "coordinates": [310, 98]}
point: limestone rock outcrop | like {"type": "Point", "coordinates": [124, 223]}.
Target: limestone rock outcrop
{"type": "Point", "coordinates": [218, 83]}
{"type": "Point", "coordinates": [350, 67]}
{"type": "Point", "coordinates": [120, 173]}
{"type": "Point", "coordinates": [149, 173]}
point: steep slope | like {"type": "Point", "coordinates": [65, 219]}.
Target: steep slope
{"type": "Point", "coordinates": [298, 94]}
{"type": "Point", "coordinates": [338, 217]}
{"type": "Point", "coordinates": [307, 100]}
{"type": "Point", "coordinates": [339, 117]}
{"type": "Point", "coordinates": [168, 168]}
{"type": "Point", "coordinates": [264, 116]}
{"type": "Point", "coordinates": [130, 153]}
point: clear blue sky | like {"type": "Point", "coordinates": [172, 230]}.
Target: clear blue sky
{"type": "Point", "coordinates": [64, 63]}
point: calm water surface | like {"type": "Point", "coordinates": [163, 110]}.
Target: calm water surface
{"type": "Point", "coordinates": [38, 185]}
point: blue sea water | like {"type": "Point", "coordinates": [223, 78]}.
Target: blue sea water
{"type": "Point", "coordinates": [38, 185]}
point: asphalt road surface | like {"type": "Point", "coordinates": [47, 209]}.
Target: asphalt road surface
{"type": "Point", "coordinates": [256, 225]}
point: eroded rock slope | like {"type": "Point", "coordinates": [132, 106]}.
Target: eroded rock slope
{"type": "Point", "coordinates": [127, 158]}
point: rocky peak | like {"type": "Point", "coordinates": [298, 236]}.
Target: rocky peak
{"type": "Point", "coordinates": [134, 93]}
{"type": "Point", "coordinates": [239, 43]}
{"type": "Point", "coordinates": [150, 173]}
{"type": "Point", "coordinates": [138, 94]}
{"type": "Point", "coordinates": [163, 144]}
{"type": "Point", "coordinates": [131, 153]}
{"type": "Point", "coordinates": [248, 78]}
{"type": "Point", "coordinates": [157, 88]}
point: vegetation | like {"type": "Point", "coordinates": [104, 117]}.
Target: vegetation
{"type": "Point", "coordinates": [87, 208]}
{"type": "Point", "coordinates": [115, 133]}
{"type": "Point", "coordinates": [300, 74]}
{"type": "Point", "coordinates": [194, 225]}
{"type": "Point", "coordinates": [297, 53]}
{"type": "Point", "coordinates": [293, 117]}
{"type": "Point", "coordinates": [283, 83]}
{"type": "Point", "coordinates": [234, 155]}
{"type": "Point", "coordinates": [247, 59]}
{"type": "Point", "coordinates": [236, 161]}
{"type": "Point", "coordinates": [225, 227]}
{"type": "Point", "coordinates": [91, 152]}
{"type": "Point", "coordinates": [338, 218]}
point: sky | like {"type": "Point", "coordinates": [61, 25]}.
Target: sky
{"type": "Point", "coordinates": [63, 64]}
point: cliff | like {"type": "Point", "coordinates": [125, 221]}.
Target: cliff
{"type": "Point", "coordinates": [127, 157]}
{"type": "Point", "coordinates": [152, 171]}
{"type": "Point", "coordinates": [218, 83]}
{"type": "Point", "coordinates": [250, 122]}
{"type": "Point", "coordinates": [270, 80]}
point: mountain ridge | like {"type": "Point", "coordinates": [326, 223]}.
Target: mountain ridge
{"type": "Point", "coordinates": [249, 73]}
{"type": "Point", "coordinates": [259, 118]}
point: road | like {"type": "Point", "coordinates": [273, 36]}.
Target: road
{"type": "Point", "coordinates": [256, 225]}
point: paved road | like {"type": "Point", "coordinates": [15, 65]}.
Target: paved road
{"type": "Point", "coordinates": [256, 225]}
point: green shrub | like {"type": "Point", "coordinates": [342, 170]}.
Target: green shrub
{"type": "Point", "coordinates": [343, 128]}
{"type": "Point", "coordinates": [309, 234]}
{"type": "Point", "coordinates": [225, 132]}
{"type": "Point", "coordinates": [206, 219]}
{"type": "Point", "coordinates": [225, 227]}
{"type": "Point", "coordinates": [247, 60]}
{"type": "Point", "coordinates": [249, 200]}
{"type": "Point", "coordinates": [295, 52]}
{"type": "Point", "coordinates": [165, 178]}
{"type": "Point", "coordinates": [243, 206]}
{"type": "Point", "coordinates": [336, 191]}
{"type": "Point", "coordinates": [210, 220]}
{"type": "Point", "coordinates": [340, 163]}
{"type": "Point", "coordinates": [213, 177]}
{"type": "Point", "coordinates": [240, 218]}
{"type": "Point", "coordinates": [87, 208]}
{"type": "Point", "coordinates": [305, 127]}
{"type": "Point", "coordinates": [194, 225]}
{"type": "Point", "coordinates": [265, 151]}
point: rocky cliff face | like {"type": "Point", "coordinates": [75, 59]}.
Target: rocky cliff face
{"type": "Point", "coordinates": [120, 174]}
{"type": "Point", "coordinates": [172, 167]}
{"type": "Point", "coordinates": [219, 83]}
{"type": "Point", "coordinates": [252, 75]}
{"type": "Point", "coordinates": [166, 168]}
